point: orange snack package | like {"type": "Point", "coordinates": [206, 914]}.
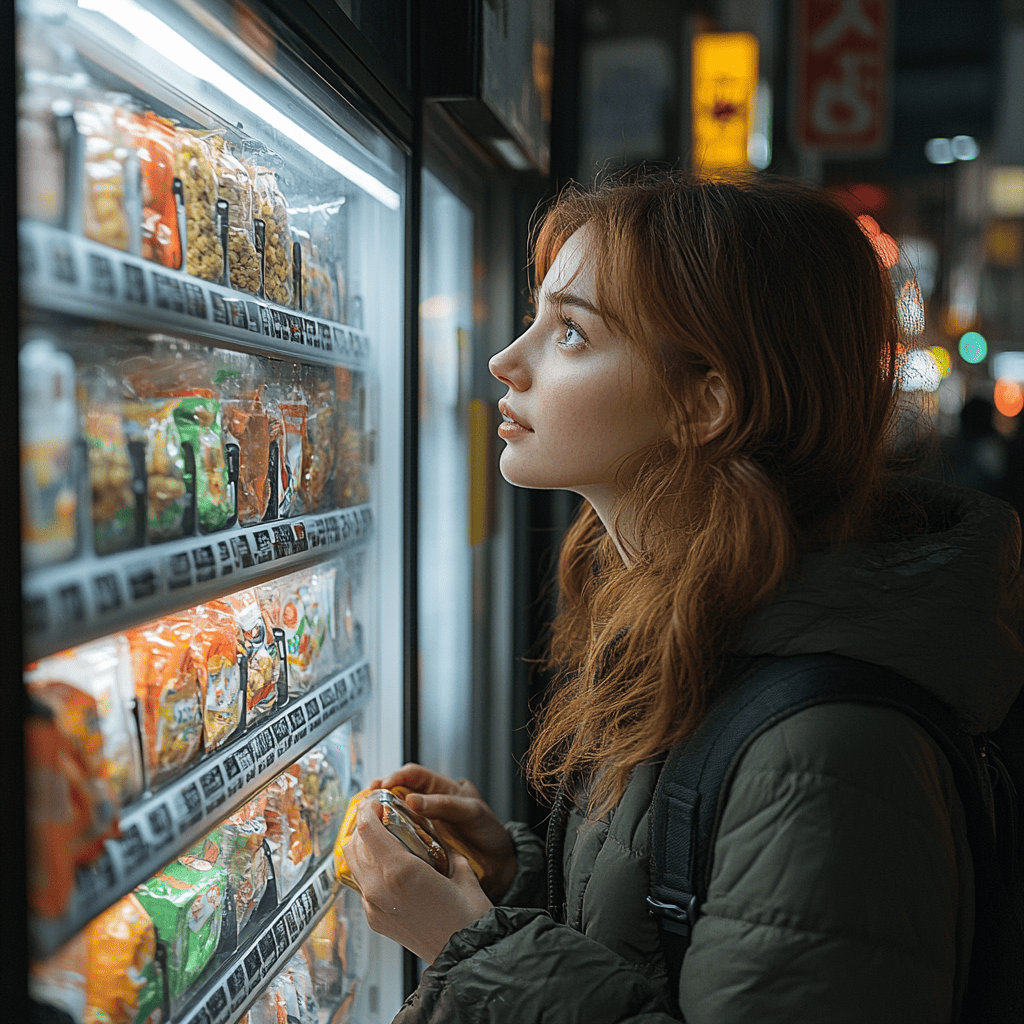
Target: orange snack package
{"type": "Point", "coordinates": [215, 650]}
{"type": "Point", "coordinates": [67, 823]}
{"type": "Point", "coordinates": [154, 141]}
{"type": "Point", "coordinates": [123, 984]}
{"type": "Point", "coordinates": [291, 846]}
{"type": "Point", "coordinates": [167, 685]}
{"type": "Point", "coordinates": [247, 423]}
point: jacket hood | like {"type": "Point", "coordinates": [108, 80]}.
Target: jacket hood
{"type": "Point", "coordinates": [943, 607]}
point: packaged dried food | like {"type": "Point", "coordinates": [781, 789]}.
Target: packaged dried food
{"type": "Point", "coordinates": [350, 482]}
{"type": "Point", "coordinates": [324, 795]}
{"type": "Point", "coordinates": [48, 432]}
{"type": "Point", "coordinates": [154, 140]}
{"type": "Point", "coordinates": [186, 902]}
{"type": "Point", "coordinates": [248, 870]}
{"type": "Point", "coordinates": [42, 154]}
{"type": "Point", "coordinates": [112, 478]}
{"type": "Point", "coordinates": [152, 423]}
{"type": "Point", "coordinates": [317, 288]}
{"type": "Point", "coordinates": [288, 835]}
{"type": "Point", "coordinates": [85, 689]}
{"type": "Point", "coordinates": [170, 705]}
{"type": "Point", "coordinates": [300, 997]}
{"type": "Point", "coordinates": [287, 407]}
{"type": "Point", "coordinates": [318, 451]}
{"type": "Point", "coordinates": [235, 186]}
{"type": "Point", "coordinates": [215, 653]}
{"type": "Point", "coordinates": [198, 419]}
{"type": "Point", "coordinates": [259, 650]}
{"type": "Point", "coordinates": [324, 966]}
{"type": "Point", "coordinates": [194, 168]}
{"type": "Point", "coordinates": [247, 424]}
{"type": "Point", "coordinates": [123, 984]}
{"type": "Point", "coordinates": [299, 618]}
{"type": "Point", "coordinates": [68, 820]}
{"type": "Point", "coordinates": [108, 174]}
{"type": "Point", "coordinates": [272, 209]}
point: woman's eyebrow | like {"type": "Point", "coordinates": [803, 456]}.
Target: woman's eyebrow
{"type": "Point", "coordinates": [564, 298]}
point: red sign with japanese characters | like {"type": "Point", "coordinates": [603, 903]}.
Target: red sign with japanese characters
{"type": "Point", "coordinates": [843, 77]}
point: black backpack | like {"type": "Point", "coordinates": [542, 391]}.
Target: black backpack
{"type": "Point", "coordinates": [690, 794]}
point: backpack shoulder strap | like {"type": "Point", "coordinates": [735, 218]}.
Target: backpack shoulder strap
{"type": "Point", "coordinates": [694, 782]}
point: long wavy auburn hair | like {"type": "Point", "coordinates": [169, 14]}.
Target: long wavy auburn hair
{"type": "Point", "coordinates": [773, 285]}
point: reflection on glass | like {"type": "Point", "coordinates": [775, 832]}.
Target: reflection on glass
{"type": "Point", "coordinates": [445, 564]}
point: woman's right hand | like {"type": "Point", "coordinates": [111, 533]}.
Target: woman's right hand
{"type": "Point", "coordinates": [459, 808]}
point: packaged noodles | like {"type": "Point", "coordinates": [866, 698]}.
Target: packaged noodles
{"type": "Point", "coordinates": [152, 422]}
{"type": "Point", "coordinates": [89, 690]}
{"type": "Point", "coordinates": [248, 870]}
{"type": "Point", "coordinates": [215, 653]}
{"type": "Point", "coordinates": [260, 652]}
{"type": "Point", "coordinates": [186, 902]}
{"type": "Point", "coordinates": [288, 835]}
{"type": "Point", "coordinates": [194, 167]}
{"type": "Point", "coordinates": [167, 685]}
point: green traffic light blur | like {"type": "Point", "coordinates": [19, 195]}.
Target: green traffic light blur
{"type": "Point", "coordinates": [973, 347]}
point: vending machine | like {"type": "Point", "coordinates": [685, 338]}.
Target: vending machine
{"type": "Point", "coordinates": [212, 246]}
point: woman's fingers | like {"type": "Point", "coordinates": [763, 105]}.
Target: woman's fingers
{"type": "Point", "coordinates": [422, 780]}
{"type": "Point", "coordinates": [446, 807]}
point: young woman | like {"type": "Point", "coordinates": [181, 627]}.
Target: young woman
{"type": "Point", "coordinates": [713, 367]}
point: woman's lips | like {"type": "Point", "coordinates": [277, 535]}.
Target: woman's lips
{"type": "Point", "coordinates": [511, 426]}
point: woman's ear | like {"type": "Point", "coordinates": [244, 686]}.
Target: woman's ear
{"type": "Point", "coordinates": [714, 407]}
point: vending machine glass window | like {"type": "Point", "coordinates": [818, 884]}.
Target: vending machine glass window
{"type": "Point", "coordinates": [211, 245]}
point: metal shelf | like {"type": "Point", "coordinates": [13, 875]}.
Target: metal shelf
{"type": "Point", "coordinates": [225, 997]}
{"type": "Point", "coordinates": [163, 824]}
{"type": "Point", "coordinates": [95, 595]}
{"type": "Point", "coordinates": [61, 272]}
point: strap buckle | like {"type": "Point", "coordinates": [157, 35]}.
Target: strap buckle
{"type": "Point", "coordinates": [674, 917]}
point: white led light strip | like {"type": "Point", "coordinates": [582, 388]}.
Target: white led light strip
{"type": "Point", "coordinates": [147, 27]}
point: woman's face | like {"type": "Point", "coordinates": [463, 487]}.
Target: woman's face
{"type": "Point", "coordinates": [579, 402]}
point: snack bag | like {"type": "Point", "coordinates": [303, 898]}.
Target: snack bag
{"type": "Point", "coordinates": [299, 614]}
{"type": "Point", "coordinates": [323, 795]}
{"type": "Point", "coordinates": [324, 587]}
{"type": "Point", "coordinates": [186, 902]}
{"type": "Point", "coordinates": [350, 484]}
{"type": "Point", "coordinates": [170, 704]}
{"type": "Point", "coordinates": [317, 287]}
{"type": "Point", "coordinates": [277, 252]}
{"type": "Point", "coordinates": [215, 655]}
{"type": "Point", "coordinates": [318, 450]}
{"type": "Point", "coordinates": [287, 830]}
{"type": "Point", "coordinates": [153, 423]}
{"type": "Point", "coordinates": [324, 967]}
{"type": "Point", "coordinates": [247, 424]}
{"type": "Point", "coordinates": [288, 410]}
{"type": "Point", "coordinates": [67, 819]}
{"type": "Point", "coordinates": [105, 182]}
{"type": "Point", "coordinates": [234, 184]}
{"type": "Point", "coordinates": [48, 432]}
{"type": "Point", "coordinates": [198, 419]}
{"type": "Point", "coordinates": [300, 997]}
{"type": "Point", "coordinates": [248, 870]}
{"type": "Point", "coordinates": [111, 476]}
{"type": "Point", "coordinates": [194, 167]}
{"type": "Point", "coordinates": [123, 984]}
{"type": "Point", "coordinates": [85, 689]}
{"type": "Point", "coordinates": [154, 141]}
{"type": "Point", "coordinates": [260, 653]}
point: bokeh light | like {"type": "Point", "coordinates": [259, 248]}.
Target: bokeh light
{"type": "Point", "coordinates": [942, 359]}
{"type": "Point", "coordinates": [973, 347]}
{"type": "Point", "coordinates": [919, 371]}
{"type": "Point", "coordinates": [1008, 397]}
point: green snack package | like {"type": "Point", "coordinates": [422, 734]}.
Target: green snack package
{"type": "Point", "coordinates": [198, 419]}
{"type": "Point", "coordinates": [186, 902]}
{"type": "Point", "coordinates": [152, 422]}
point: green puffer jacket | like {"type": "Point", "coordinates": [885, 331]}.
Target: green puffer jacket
{"type": "Point", "coordinates": [841, 885]}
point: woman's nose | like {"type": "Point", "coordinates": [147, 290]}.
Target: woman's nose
{"type": "Point", "coordinates": [509, 368]}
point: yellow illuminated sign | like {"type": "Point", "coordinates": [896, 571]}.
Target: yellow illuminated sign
{"type": "Point", "coordinates": [724, 91]}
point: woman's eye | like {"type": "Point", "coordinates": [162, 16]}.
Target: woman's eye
{"type": "Point", "coordinates": [573, 337]}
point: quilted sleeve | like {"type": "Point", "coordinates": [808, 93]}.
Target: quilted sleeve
{"type": "Point", "coordinates": [839, 892]}
{"type": "Point", "coordinates": [517, 966]}
{"type": "Point", "coordinates": [529, 887]}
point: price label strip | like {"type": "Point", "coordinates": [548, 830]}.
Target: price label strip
{"type": "Point", "coordinates": [169, 821]}
{"type": "Point", "coordinates": [93, 596]}
{"type": "Point", "coordinates": [227, 996]}
{"type": "Point", "coordinates": [65, 273]}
